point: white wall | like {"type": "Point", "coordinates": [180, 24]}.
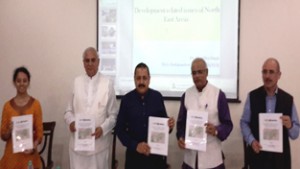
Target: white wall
{"type": "Point", "coordinates": [49, 37]}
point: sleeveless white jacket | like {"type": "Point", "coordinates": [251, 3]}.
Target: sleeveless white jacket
{"type": "Point", "coordinates": [207, 100]}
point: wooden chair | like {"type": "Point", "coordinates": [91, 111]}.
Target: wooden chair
{"type": "Point", "coordinates": [47, 144]}
{"type": "Point", "coordinates": [114, 161]}
{"type": "Point", "coordinates": [246, 156]}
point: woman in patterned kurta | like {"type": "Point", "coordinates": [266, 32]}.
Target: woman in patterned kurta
{"type": "Point", "coordinates": [21, 104]}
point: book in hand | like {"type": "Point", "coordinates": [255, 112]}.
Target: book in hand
{"type": "Point", "coordinates": [158, 135]}
{"type": "Point", "coordinates": [22, 135]}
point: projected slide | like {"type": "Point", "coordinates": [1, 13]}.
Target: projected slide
{"type": "Point", "coordinates": [167, 35]}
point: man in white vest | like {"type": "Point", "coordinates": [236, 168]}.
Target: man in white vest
{"type": "Point", "coordinates": [204, 97]}
{"type": "Point", "coordinates": [93, 94]}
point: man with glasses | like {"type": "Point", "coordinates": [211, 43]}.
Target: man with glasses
{"type": "Point", "coordinates": [269, 98]}
{"type": "Point", "coordinates": [204, 97]}
{"type": "Point", "coordinates": [93, 94]}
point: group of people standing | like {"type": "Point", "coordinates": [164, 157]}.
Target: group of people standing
{"type": "Point", "coordinates": [93, 93]}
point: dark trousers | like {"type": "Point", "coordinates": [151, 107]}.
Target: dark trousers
{"type": "Point", "coordinates": [185, 166]}
{"type": "Point", "coordinates": [268, 160]}
{"type": "Point", "coordinates": [135, 160]}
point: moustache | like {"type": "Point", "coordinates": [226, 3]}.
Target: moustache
{"type": "Point", "coordinates": [268, 80]}
{"type": "Point", "coordinates": [141, 85]}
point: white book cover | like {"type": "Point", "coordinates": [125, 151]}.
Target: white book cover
{"type": "Point", "coordinates": [270, 132]}
{"type": "Point", "coordinates": [85, 127]}
{"type": "Point", "coordinates": [158, 135]}
{"type": "Point", "coordinates": [195, 131]}
{"type": "Point", "coordinates": [22, 133]}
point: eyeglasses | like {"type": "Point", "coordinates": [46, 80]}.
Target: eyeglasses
{"type": "Point", "coordinates": [91, 61]}
{"type": "Point", "coordinates": [201, 72]}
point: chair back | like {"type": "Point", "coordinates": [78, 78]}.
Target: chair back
{"type": "Point", "coordinates": [114, 161]}
{"type": "Point", "coordinates": [47, 144]}
{"type": "Point", "coordinates": [246, 156]}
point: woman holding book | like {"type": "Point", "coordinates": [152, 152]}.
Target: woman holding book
{"type": "Point", "coordinates": [21, 104]}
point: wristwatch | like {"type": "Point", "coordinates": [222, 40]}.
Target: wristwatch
{"type": "Point", "coordinates": [216, 132]}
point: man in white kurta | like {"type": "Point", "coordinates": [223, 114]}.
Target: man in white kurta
{"type": "Point", "coordinates": [93, 94]}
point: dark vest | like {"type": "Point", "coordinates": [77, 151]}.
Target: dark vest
{"type": "Point", "coordinates": [284, 104]}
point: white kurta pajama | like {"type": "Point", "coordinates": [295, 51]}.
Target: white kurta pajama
{"type": "Point", "coordinates": [93, 96]}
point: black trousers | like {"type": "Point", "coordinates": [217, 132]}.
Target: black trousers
{"type": "Point", "coordinates": [135, 160]}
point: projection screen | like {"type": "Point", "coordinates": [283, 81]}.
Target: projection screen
{"type": "Point", "coordinates": [167, 35]}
